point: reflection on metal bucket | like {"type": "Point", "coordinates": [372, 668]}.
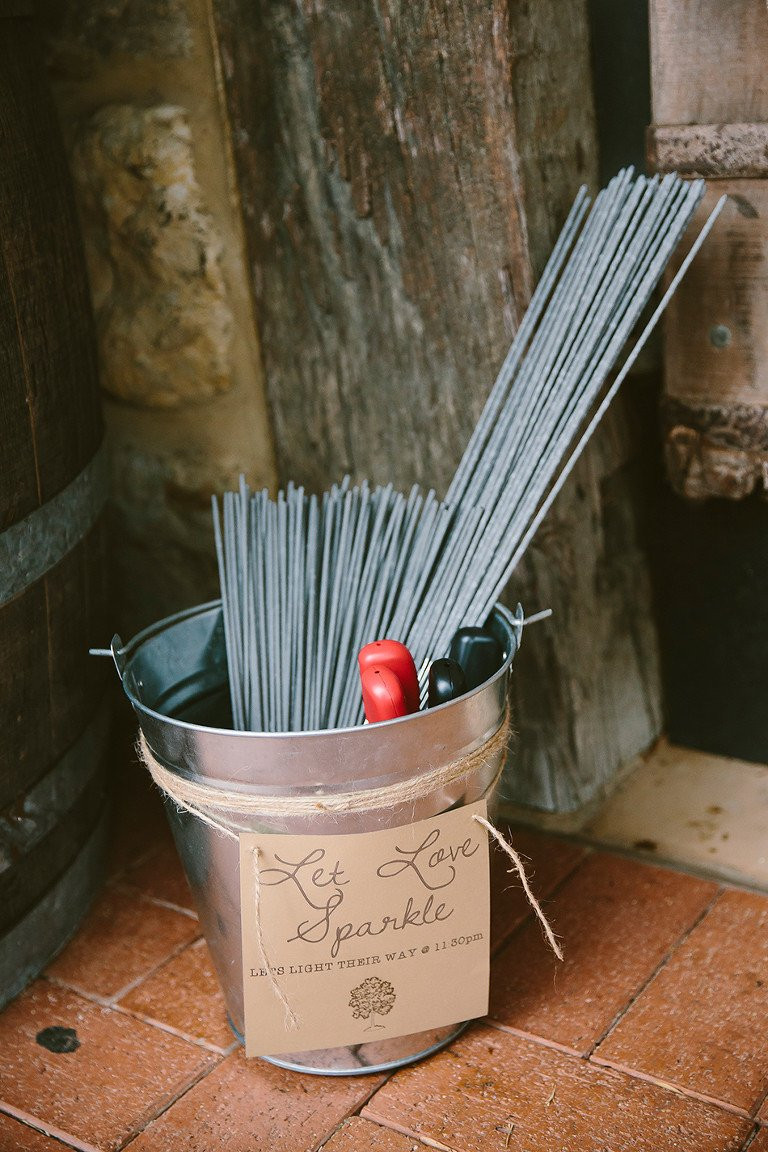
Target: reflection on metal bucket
{"type": "Point", "coordinates": [174, 674]}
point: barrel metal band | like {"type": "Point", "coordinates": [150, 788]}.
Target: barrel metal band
{"type": "Point", "coordinates": [37, 543]}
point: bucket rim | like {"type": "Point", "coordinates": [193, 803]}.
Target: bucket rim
{"type": "Point", "coordinates": [123, 653]}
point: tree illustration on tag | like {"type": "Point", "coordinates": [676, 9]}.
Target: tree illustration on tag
{"type": "Point", "coordinates": [374, 997]}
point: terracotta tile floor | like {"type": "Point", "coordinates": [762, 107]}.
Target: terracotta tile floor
{"type": "Point", "coordinates": [650, 1036]}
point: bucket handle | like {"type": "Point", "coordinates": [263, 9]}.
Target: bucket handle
{"type": "Point", "coordinates": [117, 650]}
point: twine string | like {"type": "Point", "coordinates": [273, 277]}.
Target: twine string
{"type": "Point", "coordinates": [518, 864]}
{"type": "Point", "coordinates": [196, 796]}
{"type": "Point", "coordinates": [291, 1020]}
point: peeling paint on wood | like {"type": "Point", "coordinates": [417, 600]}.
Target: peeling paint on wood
{"type": "Point", "coordinates": [714, 151]}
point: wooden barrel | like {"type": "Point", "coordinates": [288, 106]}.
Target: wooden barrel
{"type": "Point", "coordinates": [53, 726]}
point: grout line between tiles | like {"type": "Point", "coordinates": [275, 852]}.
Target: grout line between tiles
{"type": "Point", "coordinates": [117, 996]}
{"type": "Point", "coordinates": [355, 1110]}
{"type": "Point", "coordinates": [65, 1138]}
{"type": "Point", "coordinates": [659, 967]}
{"type": "Point", "coordinates": [319, 1147]}
{"type": "Point", "coordinates": [129, 889]}
{"type": "Point", "coordinates": [678, 1089]}
{"type": "Point", "coordinates": [91, 997]}
{"type": "Point", "coordinates": [624, 1069]}
{"type": "Point", "coordinates": [759, 1105]}
{"type": "Point", "coordinates": [190, 912]}
{"type": "Point", "coordinates": [150, 1119]}
{"type": "Point", "coordinates": [113, 1000]}
{"type": "Point", "coordinates": [394, 1127]}
{"type": "Point", "coordinates": [750, 1139]}
{"type": "Point", "coordinates": [163, 1027]}
{"type": "Point", "coordinates": [82, 1146]}
{"type": "Point", "coordinates": [544, 1041]}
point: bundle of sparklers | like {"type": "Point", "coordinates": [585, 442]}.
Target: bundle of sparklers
{"type": "Point", "coordinates": [307, 581]}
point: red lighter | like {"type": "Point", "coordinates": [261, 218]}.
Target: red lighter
{"type": "Point", "coordinates": [383, 695]}
{"type": "Point", "coordinates": [395, 656]}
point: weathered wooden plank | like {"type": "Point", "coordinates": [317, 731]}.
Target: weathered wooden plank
{"type": "Point", "coordinates": [716, 350]}
{"type": "Point", "coordinates": [77, 613]}
{"type": "Point", "coordinates": [25, 731]}
{"type": "Point", "coordinates": [45, 289]}
{"type": "Point", "coordinates": [48, 388]}
{"type": "Point", "coordinates": [50, 687]}
{"type": "Point", "coordinates": [714, 151]}
{"type": "Point", "coordinates": [40, 837]}
{"type": "Point", "coordinates": [404, 171]}
{"type": "Point", "coordinates": [388, 198]}
{"type": "Point", "coordinates": [708, 61]}
{"type": "Point", "coordinates": [725, 289]}
{"type": "Point", "coordinates": [586, 685]}
{"type": "Point", "coordinates": [34, 941]}
{"type": "Point", "coordinates": [18, 483]}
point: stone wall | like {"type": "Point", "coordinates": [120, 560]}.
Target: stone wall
{"type": "Point", "coordinates": [138, 88]}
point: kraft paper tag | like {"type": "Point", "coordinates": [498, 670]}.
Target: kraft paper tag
{"type": "Point", "coordinates": [369, 936]}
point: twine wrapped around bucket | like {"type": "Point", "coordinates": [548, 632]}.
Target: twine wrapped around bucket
{"type": "Point", "coordinates": [216, 807]}
{"type": "Point", "coordinates": [202, 798]}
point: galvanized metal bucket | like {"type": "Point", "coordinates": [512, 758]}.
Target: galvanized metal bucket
{"type": "Point", "coordinates": [175, 675]}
